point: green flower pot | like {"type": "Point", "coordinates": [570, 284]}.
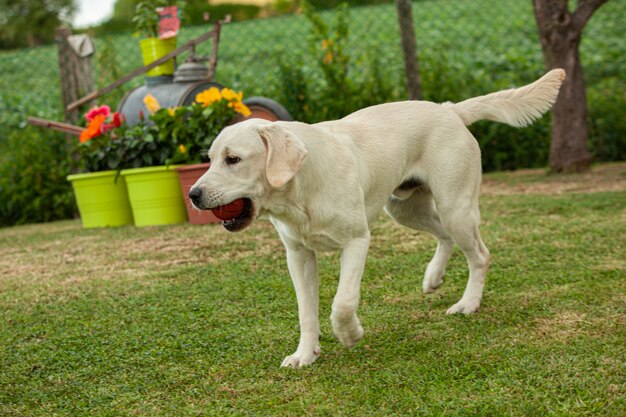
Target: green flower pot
{"type": "Point", "coordinates": [155, 48]}
{"type": "Point", "coordinates": [155, 195]}
{"type": "Point", "coordinates": [102, 201]}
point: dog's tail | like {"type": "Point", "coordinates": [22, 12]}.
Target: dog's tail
{"type": "Point", "coordinates": [516, 107]}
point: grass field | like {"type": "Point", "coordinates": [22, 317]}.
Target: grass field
{"type": "Point", "coordinates": [192, 320]}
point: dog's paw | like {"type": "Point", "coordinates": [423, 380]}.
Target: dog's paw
{"type": "Point", "coordinates": [464, 307]}
{"type": "Point", "coordinates": [347, 328]}
{"type": "Point", "coordinates": [349, 338]}
{"type": "Point", "coordinates": [298, 359]}
{"type": "Point", "coordinates": [431, 283]}
{"type": "Point", "coordinates": [433, 278]}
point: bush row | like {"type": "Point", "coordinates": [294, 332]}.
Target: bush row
{"type": "Point", "coordinates": [34, 163]}
{"type": "Point", "coordinates": [33, 188]}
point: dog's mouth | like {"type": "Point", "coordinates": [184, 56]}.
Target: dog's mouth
{"type": "Point", "coordinates": [243, 220]}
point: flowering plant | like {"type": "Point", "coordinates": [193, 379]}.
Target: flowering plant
{"type": "Point", "coordinates": [100, 120]}
{"type": "Point", "coordinates": [99, 147]}
{"type": "Point", "coordinates": [167, 136]}
{"type": "Point", "coordinates": [147, 16]}
{"type": "Point", "coordinates": [194, 127]}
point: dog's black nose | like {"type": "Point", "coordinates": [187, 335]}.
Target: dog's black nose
{"type": "Point", "coordinates": [195, 195]}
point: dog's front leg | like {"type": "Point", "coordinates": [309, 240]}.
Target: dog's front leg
{"type": "Point", "coordinates": [302, 264]}
{"type": "Point", "coordinates": [346, 325]}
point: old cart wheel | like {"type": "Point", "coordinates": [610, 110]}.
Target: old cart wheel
{"type": "Point", "coordinates": [266, 108]}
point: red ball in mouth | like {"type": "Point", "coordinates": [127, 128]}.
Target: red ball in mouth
{"type": "Point", "coordinates": [230, 211]}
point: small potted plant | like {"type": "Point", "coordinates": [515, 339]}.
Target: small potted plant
{"type": "Point", "coordinates": [195, 127]}
{"type": "Point", "coordinates": [100, 193]}
{"type": "Point", "coordinates": [157, 42]}
{"type": "Point", "coordinates": [152, 150]}
{"type": "Point", "coordinates": [213, 110]}
{"type": "Point", "coordinates": [149, 158]}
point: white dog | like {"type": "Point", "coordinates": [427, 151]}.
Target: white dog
{"type": "Point", "coordinates": [322, 185]}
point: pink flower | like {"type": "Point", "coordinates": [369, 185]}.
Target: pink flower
{"type": "Point", "coordinates": [118, 119]}
{"type": "Point", "coordinates": [106, 127]}
{"type": "Point", "coordinates": [95, 111]}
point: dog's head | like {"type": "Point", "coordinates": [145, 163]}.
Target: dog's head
{"type": "Point", "coordinates": [249, 160]}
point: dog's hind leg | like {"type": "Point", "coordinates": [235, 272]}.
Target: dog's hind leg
{"type": "Point", "coordinates": [460, 217]}
{"type": "Point", "coordinates": [418, 212]}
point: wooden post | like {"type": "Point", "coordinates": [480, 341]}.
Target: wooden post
{"type": "Point", "coordinates": [68, 86]}
{"type": "Point", "coordinates": [76, 74]}
{"type": "Point", "coordinates": [409, 49]}
{"type": "Point", "coordinates": [83, 68]}
{"type": "Point", "coordinates": [75, 71]}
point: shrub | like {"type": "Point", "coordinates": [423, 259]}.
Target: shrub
{"type": "Point", "coordinates": [33, 188]}
{"type": "Point", "coordinates": [607, 124]}
{"type": "Point", "coordinates": [341, 84]}
{"type": "Point", "coordinates": [295, 91]}
{"type": "Point", "coordinates": [238, 12]}
{"type": "Point", "coordinates": [329, 4]}
{"type": "Point", "coordinates": [284, 6]}
{"type": "Point", "coordinates": [329, 47]}
{"type": "Point", "coordinates": [503, 147]}
{"type": "Point", "coordinates": [332, 89]}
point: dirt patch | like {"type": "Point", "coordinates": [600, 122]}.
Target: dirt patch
{"type": "Point", "coordinates": [562, 327]}
{"type": "Point", "coordinates": [570, 325]}
{"type": "Point", "coordinates": [601, 178]}
{"type": "Point", "coordinates": [105, 256]}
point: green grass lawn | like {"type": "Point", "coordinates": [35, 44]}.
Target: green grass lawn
{"type": "Point", "coordinates": [192, 320]}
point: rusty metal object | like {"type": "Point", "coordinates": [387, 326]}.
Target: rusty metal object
{"type": "Point", "coordinates": [189, 46]}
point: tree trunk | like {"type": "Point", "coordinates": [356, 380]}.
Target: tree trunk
{"type": "Point", "coordinates": [560, 33]}
{"type": "Point", "coordinates": [409, 48]}
{"type": "Point", "coordinates": [568, 149]}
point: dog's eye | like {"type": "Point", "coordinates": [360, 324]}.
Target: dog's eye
{"type": "Point", "coordinates": [232, 160]}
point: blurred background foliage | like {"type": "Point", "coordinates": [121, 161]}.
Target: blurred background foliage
{"type": "Point", "coordinates": [321, 65]}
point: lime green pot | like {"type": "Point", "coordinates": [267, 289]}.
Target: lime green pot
{"type": "Point", "coordinates": [155, 48]}
{"type": "Point", "coordinates": [102, 199]}
{"type": "Point", "coordinates": [155, 195]}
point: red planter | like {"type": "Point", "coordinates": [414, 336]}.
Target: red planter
{"type": "Point", "coordinates": [261, 108]}
{"type": "Point", "coordinates": [188, 175]}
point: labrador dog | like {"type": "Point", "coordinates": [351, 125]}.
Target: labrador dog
{"type": "Point", "coordinates": [322, 186]}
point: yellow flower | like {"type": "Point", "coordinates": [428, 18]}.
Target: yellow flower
{"type": "Point", "coordinates": [230, 95]}
{"type": "Point", "coordinates": [326, 43]}
{"type": "Point", "coordinates": [151, 103]}
{"type": "Point", "coordinates": [239, 107]}
{"type": "Point", "coordinates": [182, 148]}
{"type": "Point", "coordinates": [171, 110]}
{"type": "Point", "coordinates": [328, 58]}
{"type": "Point", "coordinates": [208, 97]}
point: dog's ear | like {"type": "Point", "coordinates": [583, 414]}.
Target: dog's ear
{"type": "Point", "coordinates": [285, 154]}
